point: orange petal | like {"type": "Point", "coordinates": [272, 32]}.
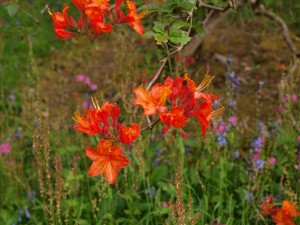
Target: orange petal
{"type": "Point", "coordinates": [174, 118]}
{"type": "Point", "coordinates": [80, 4]}
{"type": "Point", "coordinates": [144, 99]}
{"type": "Point", "coordinates": [129, 134]}
{"type": "Point", "coordinates": [91, 153]}
{"type": "Point", "coordinates": [110, 173]}
{"type": "Point", "coordinates": [190, 82]}
{"type": "Point", "coordinates": [98, 166]}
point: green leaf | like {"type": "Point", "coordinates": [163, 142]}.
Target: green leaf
{"type": "Point", "coordinates": [199, 29]}
{"type": "Point", "coordinates": [12, 9]}
{"type": "Point", "coordinates": [167, 6]}
{"type": "Point", "coordinates": [159, 28]}
{"type": "Point", "coordinates": [186, 4]}
{"type": "Point", "coordinates": [179, 24]}
{"type": "Point", "coordinates": [158, 32]}
{"type": "Point", "coordinates": [179, 37]}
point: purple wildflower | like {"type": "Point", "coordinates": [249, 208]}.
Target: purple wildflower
{"type": "Point", "coordinates": [164, 204]}
{"type": "Point", "coordinates": [36, 123]}
{"type": "Point", "coordinates": [5, 147]}
{"type": "Point", "coordinates": [87, 81]}
{"type": "Point", "coordinates": [18, 133]}
{"type": "Point", "coordinates": [272, 160]}
{"type": "Point", "coordinates": [216, 103]}
{"type": "Point", "coordinates": [260, 164]}
{"type": "Point", "coordinates": [232, 103]}
{"type": "Point", "coordinates": [151, 191]}
{"type": "Point", "coordinates": [294, 98]}
{"type": "Point", "coordinates": [80, 77]}
{"type": "Point", "coordinates": [229, 61]}
{"type": "Point", "coordinates": [93, 87]}
{"type": "Point", "coordinates": [233, 120]}
{"type": "Point", "coordinates": [249, 196]}
{"type": "Point", "coordinates": [85, 104]}
{"type": "Point", "coordinates": [222, 139]}
{"type": "Point", "coordinates": [27, 214]}
{"type": "Point", "coordinates": [236, 154]}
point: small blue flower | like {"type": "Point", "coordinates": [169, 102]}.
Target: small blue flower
{"type": "Point", "coordinates": [260, 164]}
{"type": "Point", "coordinates": [229, 61]}
{"type": "Point", "coordinates": [151, 191]}
{"type": "Point", "coordinates": [36, 123]}
{"type": "Point", "coordinates": [216, 103]}
{"type": "Point", "coordinates": [236, 154]}
{"type": "Point", "coordinates": [249, 196]}
{"type": "Point", "coordinates": [231, 75]}
{"type": "Point", "coordinates": [232, 103]}
{"type": "Point", "coordinates": [18, 134]}
{"type": "Point", "coordinates": [221, 139]}
{"type": "Point", "coordinates": [156, 162]}
{"type": "Point", "coordinates": [27, 213]}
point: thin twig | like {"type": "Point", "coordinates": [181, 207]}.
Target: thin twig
{"type": "Point", "coordinates": [206, 19]}
{"type": "Point", "coordinates": [286, 32]}
{"type": "Point", "coordinates": [202, 4]}
{"type": "Point", "coordinates": [163, 62]}
{"type": "Point", "coordinates": [150, 126]}
{"type": "Point", "coordinates": [231, 4]}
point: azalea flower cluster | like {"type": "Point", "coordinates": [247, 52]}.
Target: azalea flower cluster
{"type": "Point", "coordinates": [280, 216]}
{"type": "Point", "coordinates": [108, 156]}
{"type": "Point", "coordinates": [97, 16]}
{"type": "Point", "coordinates": [185, 99]}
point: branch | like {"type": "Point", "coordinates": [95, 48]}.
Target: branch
{"type": "Point", "coordinates": [151, 126]}
{"type": "Point", "coordinates": [202, 4]}
{"type": "Point", "coordinates": [286, 32]}
{"type": "Point", "coordinates": [163, 62]}
{"type": "Point", "coordinates": [231, 4]}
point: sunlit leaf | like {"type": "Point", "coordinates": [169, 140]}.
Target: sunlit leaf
{"type": "Point", "coordinates": [12, 9]}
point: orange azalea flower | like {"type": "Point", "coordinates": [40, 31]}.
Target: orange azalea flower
{"type": "Point", "coordinates": [61, 20]}
{"type": "Point", "coordinates": [129, 134]}
{"type": "Point", "coordinates": [267, 206]}
{"type": "Point", "coordinates": [96, 8]}
{"type": "Point", "coordinates": [107, 159]}
{"type": "Point", "coordinates": [134, 19]}
{"type": "Point", "coordinates": [96, 14]}
{"type": "Point", "coordinates": [290, 208]}
{"type": "Point", "coordinates": [80, 4]}
{"type": "Point", "coordinates": [174, 118]}
{"type": "Point", "coordinates": [280, 218]}
{"type": "Point", "coordinates": [91, 124]}
{"type": "Point", "coordinates": [113, 111]}
{"type": "Point", "coordinates": [198, 94]}
{"type": "Point", "coordinates": [119, 15]}
{"type": "Point", "coordinates": [102, 5]}
{"type": "Point", "coordinates": [153, 101]}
